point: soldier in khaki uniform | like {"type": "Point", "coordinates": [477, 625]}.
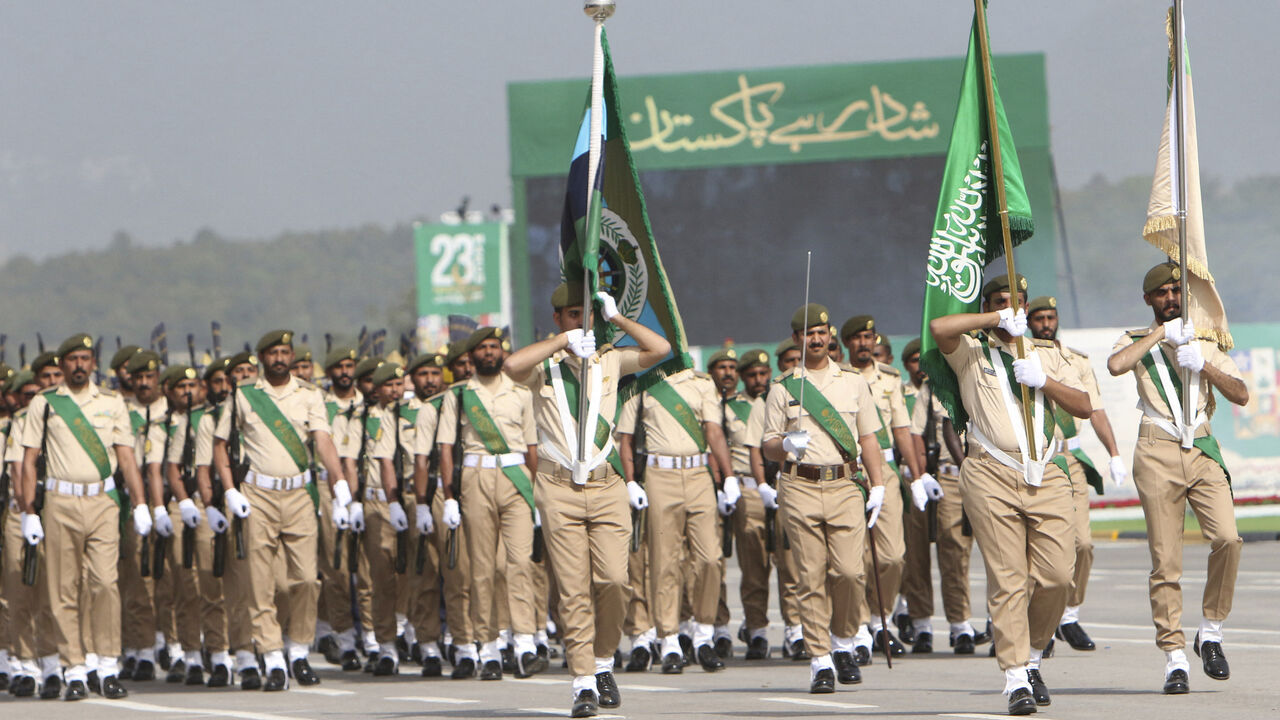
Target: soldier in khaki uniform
{"type": "Point", "coordinates": [426, 372]}
{"type": "Point", "coordinates": [499, 442]}
{"type": "Point", "coordinates": [85, 432]}
{"type": "Point", "coordinates": [303, 366]}
{"type": "Point", "coordinates": [1042, 320]}
{"type": "Point", "coordinates": [683, 442]}
{"type": "Point", "coordinates": [584, 503]}
{"type": "Point", "coordinates": [1178, 464]}
{"type": "Point", "coordinates": [1019, 507]}
{"type": "Point", "coordinates": [859, 335]}
{"type": "Point", "coordinates": [818, 444]}
{"type": "Point", "coordinates": [273, 415]}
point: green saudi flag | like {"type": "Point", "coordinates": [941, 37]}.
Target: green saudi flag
{"type": "Point", "coordinates": [966, 231]}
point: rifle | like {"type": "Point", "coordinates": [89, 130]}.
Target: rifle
{"type": "Point", "coordinates": [353, 537]}
{"type": "Point", "coordinates": [4, 477]}
{"type": "Point", "coordinates": [30, 552]}
{"type": "Point", "coordinates": [162, 543]}
{"type": "Point", "coordinates": [726, 524]}
{"type": "Point", "coordinates": [455, 482]}
{"type": "Point", "coordinates": [339, 533]}
{"type": "Point", "coordinates": [771, 470]}
{"type": "Point", "coordinates": [239, 469]}
{"type": "Point", "coordinates": [397, 462]}
{"type": "Point", "coordinates": [144, 544]}
{"type": "Point", "coordinates": [932, 452]}
{"type": "Point", "coordinates": [186, 468]}
{"type": "Point", "coordinates": [639, 463]}
{"type": "Point", "coordinates": [433, 483]}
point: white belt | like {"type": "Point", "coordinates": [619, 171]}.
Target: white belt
{"type": "Point", "coordinates": [266, 482]}
{"type": "Point", "coordinates": [66, 487]}
{"type": "Point", "coordinates": [493, 461]}
{"type": "Point", "coordinates": [375, 494]}
{"type": "Point", "coordinates": [888, 454]}
{"type": "Point", "coordinates": [676, 462]}
{"type": "Point", "coordinates": [1068, 445]}
{"type": "Point", "coordinates": [1159, 421]}
{"type": "Point", "coordinates": [1032, 471]}
{"type": "Point", "coordinates": [948, 469]}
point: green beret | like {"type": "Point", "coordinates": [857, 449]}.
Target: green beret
{"type": "Point", "coordinates": [145, 360]}
{"type": "Point", "coordinates": [219, 365]}
{"type": "Point", "coordinates": [241, 358]}
{"type": "Point", "coordinates": [910, 349]}
{"type": "Point", "coordinates": [1162, 274]}
{"type": "Point", "coordinates": [1000, 283]}
{"type": "Point", "coordinates": [479, 336]}
{"type": "Point", "coordinates": [456, 349]}
{"type": "Point", "coordinates": [175, 374]}
{"type": "Point", "coordinates": [122, 356]}
{"type": "Point", "coordinates": [273, 338]}
{"type": "Point", "coordinates": [433, 359]}
{"type": "Point", "coordinates": [43, 360]}
{"type": "Point", "coordinates": [752, 358]}
{"type": "Point", "coordinates": [727, 353]}
{"type": "Point", "coordinates": [18, 379]}
{"type": "Point", "coordinates": [784, 346]}
{"type": "Point", "coordinates": [1044, 302]}
{"type": "Point", "coordinates": [566, 295]}
{"type": "Point", "coordinates": [366, 366]}
{"type": "Point", "coordinates": [337, 355]}
{"type": "Point", "coordinates": [815, 314]}
{"type": "Point", "coordinates": [856, 324]}
{"type": "Point", "coordinates": [302, 353]}
{"type": "Point", "coordinates": [79, 341]}
{"type": "Point", "coordinates": [387, 371]}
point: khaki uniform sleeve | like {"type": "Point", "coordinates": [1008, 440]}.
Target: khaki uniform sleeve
{"type": "Point", "coordinates": [179, 435]}
{"type": "Point", "coordinates": [317, 416]}
{"type": "Point", "coordinates": [447, 432]}
{"type": "Point", "coordinates": [868, 421]}
{"type": "Point", "coordinates": [33, 427]}
{"type": "Point", "coordinates": [204, 440]}
{"type": "Point", "coordinates": [425, 432]}
{"type": "Point", "coordinates": [1220, 360]}
{"type": "Point", "coordinates": [121, 427]}
{"type": "Point", "coordinates": [898, 415]}
{"type": "Point", "coordinates": [628, 360]}
{"type": "Point", "coordinates": [14, 448]}
{"type": "Point", "coordinates": [627, 416]}
{"type": "Point", "coordinates": [223, 429]}
{"type": "Point", "coordinates": [775, 414]}
{"type": "Point", "coordinates": [710, 401]}
{"type": "Point", "coordinates": [755, 425]}
{"type": "Point", "coordinates": [527, 422]}
{"type": "Point", "coordinates": [919, 415]}
{"type": "Point", "coordinates": [1089, 381]}
{"type": "Point", "coordinates": [155, 443]}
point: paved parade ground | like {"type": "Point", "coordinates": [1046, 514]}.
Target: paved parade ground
{"type": "Point", "coordinates": [1121, 679]}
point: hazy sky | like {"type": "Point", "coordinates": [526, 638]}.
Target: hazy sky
{"type": "Point", "coordinates": [161, 117]}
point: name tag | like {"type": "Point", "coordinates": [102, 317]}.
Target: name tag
{"type": "Point", "coordinates": [989, 371]}
{"type": "Point", "coordinates": [793, 402]}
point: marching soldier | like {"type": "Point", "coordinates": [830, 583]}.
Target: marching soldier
{"type": "Point", "coordinates": [1042, 321]}
{"type": "Point", "coordinates": [273, 415]}
{"type": "Point", "coordinates": [1178, 464]}
{"type": "Point", "coordinates": [303, 367]}
{"type": "Point", "coordinates": [426, 372]}
{"type": "Point", "coordinates": [786, 355]}
{"type": "Point", "coordinates": [82, 431]}
{"type": "Point", "coordinates": [586, 518]}
{"type": "Point", "coordinates": [818, 444]}
{"type": "Point", "coordinates": [491, 417]}
{"type": "Point", "coordinates": [1018, 504]}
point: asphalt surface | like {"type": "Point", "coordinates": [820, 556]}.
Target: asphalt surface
{"type": "Point", "coordinates": [1121, 679]}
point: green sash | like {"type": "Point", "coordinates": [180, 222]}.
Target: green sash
{"type": "Point", "coordinates": [824, 414]}
{"type": "Point", "coordinates": [741, 408]}
{"type": "Point", "coordinates": [1207, 444]}
{"type": "Point", "coordinates": [409, 414]}
{"type": "Point", "coordinates": [493, 441]}
{"type": "Point", "coordinates": [280, 426]}
{"type": "Point", "coordinates": [331, 409]}
{"type": "Point", "coordinates": [82, 430]}
{"type": "Point", "coordinates": [136, 421]}
{"type": "Point", "coordinates": [678, 408]}
{"type": "Point", "coordinates": [603, 431]}
{"type": "Point", "coordinates": [911, 401]}
{"type": "Point", "coordinates": [1069, 431]}
{"type": "Point", "coordinates": [194, 418]}
{"type": "Point", "coordinates": [372, 425]}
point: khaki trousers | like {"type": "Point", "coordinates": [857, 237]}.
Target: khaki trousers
{"type": "Point", "coordinates": [378, 548]}
{"type": "Point", "coordinates": [682, 508]}
{"type": "Point", "coordinates": [423, 609]}
{"type": "Point", "coordinates": [281, 528]}
{"type": "Point", "coordinates": [334, 599]}
{"type": "Point", "coordinates": [184, 600]}
{"type": "Point", "coordinates": [499, 528]}
{"type": "Point", "coordinates": [1080, 526]}
{"type": "Point", "coordinates": [82, 536]}
{"type": "Point", "coordinates": [236, 591]}
{"type": "Point", "coordinates": [891, 552]}
{"type": "Point", "coordinates": [753, 558]}
{"type": "Point", "coordinates": [784, 560]}
{"type": "Point", "coordinates": [457, 580]}
{"type": "Point", "coordinates": [213, 613]}
{"type": "Point", "coordinates": [827, 529]}
{"type": "Point", "coordinates": [1027, 545]}
{"type": "Point", "coordinates": [1169, 479]}
{"type": "Point", "coordinates": [637, 620]}
{"type": "Point", "coordinates": [953, 549]}
{"type": "Point", "coordinates": [30, 628]}
{"type": "Point", "coordinates": [587, 529]}
{"type": "Point", "coordinates": [137, 593]}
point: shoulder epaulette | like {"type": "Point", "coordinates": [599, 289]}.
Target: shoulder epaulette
{"type": "Point", "coordinates": [784, 375]}
{"type": "Point", "coordinates": [307, 384]}
{"type": "Point", "coordinates": [1076, 352]}
{"type": "Point", "coordinates": [54, 389]}
{"type": "Point", "coordinates": [1141, 332]}
{"type": "Point", "coordinates": [700, 374]}
{"type": "Point", "coordinates": [888, 369]}
{"type": "Point", "coordinates": [1042, 343]}
{"type": "Point", "coordinates": [458, 384]}
{"type": "Point", "coordinates": [606, 348]}
{"type": "Point", "coordinates": [246, 381]}
{"type": "Point", "coordinates": [846, 367]}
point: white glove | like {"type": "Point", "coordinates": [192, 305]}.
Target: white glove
{"type": "Point", "coordinates": [582, 344]}
{"type": "Point", "coordinates": [1190, 357]}
{"type": "Point", "coordinates": [1119, 475]}
{"type": "Point", "coordinates": [924, 489]}
{"type": "Point", "coordinates": [768, 496]}
{"type": "Point", "coordinates": [1029, 371]}
{"type": "Point", "coordinates": [342, 493]}
{"type": "Point", "coordinates": [425, 523]}
{"type": "Point", "coordinates": [608, 307]}
{"type": "Point", "coordinates": [732, 493]}
{"type": "Point", "coordinates": [795, 442]}
{"type": "Point", "coordinates": [725, 509]}
{"type": "Point", "coordinates": [399, 520]}
{"type": "Point", "coordinates": [1179, 332]}
{"type": "Point", "coordinates": [238, 504]}
{"type": "Point", "coordinates": [190, 513]}
{"type": "Point", "coordinates": [163, 524]}
{"type": "Point", "coordinates": [355, 515]}
{"type": "Point", "coordinates": [32, 529]}
{"type": "Point", "coordinates": [537, 518]}
{"type": "Point", "coordinates": [1014, 324]}
{"type": "Point", "coordinates": [875, 500]}
{"type": "Point", "coordinates": [452, 514]}
{"type": "Point", "coordinates": [217, 521]}
{"type": "Point", "coordinates": [141, 521]}
{"type": "Point", "coordinates": [639, 499]}
{"type": "Point", "coordinates": [341, 517]}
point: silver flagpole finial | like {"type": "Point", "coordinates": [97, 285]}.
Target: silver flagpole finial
{"type": "Point", "coordinates": [599, 9]}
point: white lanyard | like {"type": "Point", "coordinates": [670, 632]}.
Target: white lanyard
{"type": "Point", "coordinates": [1033, 472]}
{"type": "Point", "coordinates": [1179, 429]}
{"type": "Point", "coordinates": [578, 462]}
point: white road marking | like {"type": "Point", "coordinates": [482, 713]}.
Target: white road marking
{"type": "Point", "coordinates": [542, 681]}
{"type": "Point", "coordinates": [648, 688]}
{"type": "Point", "coordinates": [1189, 630]}
{"type": "Point", "coordinates": [1226, 646]}
{"type": "Point", "coordinates": [218, 712]}
{"type": "Point", "coordinates": [328, 692]}
{"type": "Point", "coordinates": [981, 716]}
{"type": "Point", "coordinates": [565, 713]}
{"type": "Point", "coordinates": [819, 703]}
{"type": "Point", "coordinates": [428, 699]}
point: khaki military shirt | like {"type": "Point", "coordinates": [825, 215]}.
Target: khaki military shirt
{"type": "Point", "coordinates": [342, 415]}
{"type": "Point", "coordinates": [736, 430]}
{"type": "Point", "coordinates": [67, 460]}
{"type": "Point", "coordinates": [612, 362]}
{"type": "Point", "coordinates": [299, 402]}
{"type": "Point", "coordinates": [509, 405]}
{"type": "Point", "coordinates": [920, 421]}
{"type": "Point", "coordinates": [1077, 365]}
{"type": "Point", "coordinates": [178, 441]}
{"type": "Point", "coordinates": [1148, 393]}
{"type": "Point", "coordinates": [424, 427]}
{"type": "Point", "coordinates": [13, 447]}
{"type": "Point", "coordinates": [148, 439]}
{"type": "Point", "coordinates": [980, 386]}
{"type": "Point", "coordinates": [378, 444]}
{"type": "Point", "coordinates": [664, 435]}
{"type": "Point", "coordinates": [409, 411]}
{"type": "Point", "coordinates": [847, 392]}
{"type": "Point", "coordinates": [886, 389]}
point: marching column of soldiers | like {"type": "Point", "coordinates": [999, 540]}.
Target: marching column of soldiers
{"type": "Point", "coordinates": [218, 524]}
